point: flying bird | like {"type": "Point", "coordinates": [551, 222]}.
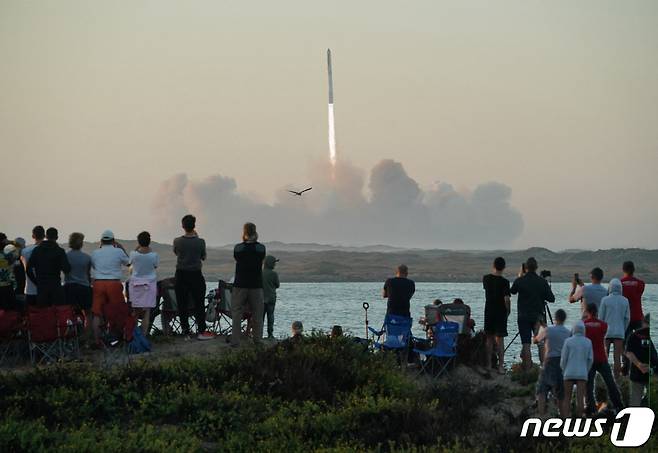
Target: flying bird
{"type": "Point", "coordinates": [299, 194]}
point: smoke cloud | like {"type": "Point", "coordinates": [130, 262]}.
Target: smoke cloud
{"type": "Point", "coordinates": [397, 211]}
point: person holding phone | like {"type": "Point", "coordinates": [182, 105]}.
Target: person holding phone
{"type": "Point", "coordinates": [107, 264]}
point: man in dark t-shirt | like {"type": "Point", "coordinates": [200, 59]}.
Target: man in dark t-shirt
{"type": "Point", "coordinates": [247, 294]}
{"type": "Point", "coordinates": [533, 292]}
{"type": "Point", "coordinates": [398, 291]}
{"type": "Point", "coordinates": [644, 359]}
{"type": "Point", "coordinates": [496, 311]}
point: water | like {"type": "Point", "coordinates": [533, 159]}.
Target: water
{"type": "Point", "coordinates": [321, 305]}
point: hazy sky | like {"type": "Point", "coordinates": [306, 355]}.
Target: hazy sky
{"type": "Point", "coordinates": [100, 102]}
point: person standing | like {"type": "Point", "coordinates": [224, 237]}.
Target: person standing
{"type": "Point", "coordinates": [642, 356]}
{"type": "Point", "coordinates": [45, 267]}
{"type": "Point", "coordinates": [632, 289]}
{"type": "Point", "coordinates": [270, 285]}
{"type": "Point", "coordinates": [77, 283]}
{"type": "Point", "coordinates": [190, 285]}
{"type": "Point", "coordinates": [590, 294]}
{"type": "Point", "coordinates": [19, 270]}
{"type": "Point", "coordinates": [496, 312]}
{"type": "Point", "coordinates": [107, 264]}
{"type": "Point", "coordinates": [248, 284]}
{"type": "Point", "coordinates": [533, 292]}
{"type": "Point", "coordinates": [615, 311]}
{"type": "Point", "coordinates": [7, 282]}
{"type": "Point", "coordinates": [551, 378]}
{"type": "Point", "coordinates": [143, 283]}
{"type": "Point", "coordinates": [38, 235]}
{"type": "Point", "coordinates": [595, 330]}
{"type": "Point", "coordinates": [398, 292]}
{"type": "Point", "coordinates": [576, 361]}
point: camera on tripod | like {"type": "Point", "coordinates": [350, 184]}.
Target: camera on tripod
{"type": "Point", "coordinates": [545, 274]}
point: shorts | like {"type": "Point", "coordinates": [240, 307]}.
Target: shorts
{"type": "Point", "coordinates": [78, 295]}
{"type": "Point", "coordinates": [495, 323]}
{"type": "Point", "coordinates": [526, 330]}
{"type": "Point", "coordinates": [50, 294]}
{"type": "Point", "coordinates": [106, 292]}
{"type": "Point", "coordinates": [551, 379]}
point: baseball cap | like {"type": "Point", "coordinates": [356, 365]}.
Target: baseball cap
{"type": "Point", "coordinates": [107, 235]}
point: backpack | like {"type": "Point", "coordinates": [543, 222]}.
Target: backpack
{"type": "Point", "coordinates": [139, 343]}
{"type": "Point", "coordinates": [211, 312]}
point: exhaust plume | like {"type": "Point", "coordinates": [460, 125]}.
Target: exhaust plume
{"type": "Point", "coordinates": [399, 212]}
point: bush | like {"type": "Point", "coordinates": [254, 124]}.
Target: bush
{"type": "Point", "coordinates": [318, 395]}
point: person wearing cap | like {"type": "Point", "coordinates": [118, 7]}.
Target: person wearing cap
{"type": "Point", "coordinates": [38, 235]}
{"type": "Point", "coordinates": [248, 285]}
{"type": "Point", "coordinates": [641, 353]}
{"type": "Point", "coordinates": [576, 360]}
{"type": "Point", "coordinates": [107, 264]}
{"type": "Point", "coordinates": [7, 283]}
{"type": "Point", "coordinates": [46, 265]}
{"type": "Point", "coordinates": [19, 270]}
{"type": "Point", "coordinates": [270, 285]}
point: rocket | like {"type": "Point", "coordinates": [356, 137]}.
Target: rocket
{"type": "Point", "coordinates": [331, 77]}
{"type": "Point", "coordinates": [332, 129]}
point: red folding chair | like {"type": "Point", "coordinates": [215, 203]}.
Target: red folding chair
{"type": "Point", "coordinates": [12, 324]}
{"type": "Point", "coordinates": [69, 324]}
{"type": "Point", "coordinates": [43, 334]}
{"type": "Point", "coordinates": [119, 327]}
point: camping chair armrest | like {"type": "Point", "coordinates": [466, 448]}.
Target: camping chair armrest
{"type": "Point", "coordinates": [376, 332]}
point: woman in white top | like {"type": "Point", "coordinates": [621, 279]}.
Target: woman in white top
{"type": "Point", "coordinates": [143, 284]}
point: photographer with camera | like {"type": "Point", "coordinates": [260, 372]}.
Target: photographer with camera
{"type": "Point", "coordinates": [533, 292]}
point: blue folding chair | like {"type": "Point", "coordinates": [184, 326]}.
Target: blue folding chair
{"type": "Point", "coordinates": [396, 333]}
{"type": "Point", "coordinates": [444, 350]}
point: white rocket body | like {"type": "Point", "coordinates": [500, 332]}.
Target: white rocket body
{"type": "Point", "coordinates": [332, 128]}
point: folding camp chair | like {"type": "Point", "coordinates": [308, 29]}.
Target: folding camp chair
{"type": "Point", "coordinates": [222, 324]}
{"type": "Point", "coordinates": [69, 324]}
{"type": "Point", "coordinates": [11, 339]}
{"type": "Point", "coordinates": [118, 332]}
{"type": "Point", "coordinates": [459, 313]}
{"type": "Point", "coordinates": [397, 335]}
{"type": "Point", "coordinates": [43, 334]}
{"type": "Point", "coordinates": [167, 309]}
{"type": "Point", "coordinates": [444, 350]}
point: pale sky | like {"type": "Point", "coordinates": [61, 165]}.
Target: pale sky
{"type": "Point", "coordinates": [102, 101]}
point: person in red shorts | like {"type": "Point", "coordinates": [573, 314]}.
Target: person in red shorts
{"type": "Point", "coordinates": [595, 330]}
{"type": "Point", "coordinates": [107, 264]}
{"type": "Point", "coordinates": [632, 289]}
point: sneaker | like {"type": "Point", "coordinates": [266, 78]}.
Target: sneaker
{"type": "Point", "coordinates": [205, 336]}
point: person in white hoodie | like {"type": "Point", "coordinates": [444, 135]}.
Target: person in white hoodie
{"type": "Point", "coordinates": [615, 311]}
{"type": "Point", "coordinates": [576, 360]}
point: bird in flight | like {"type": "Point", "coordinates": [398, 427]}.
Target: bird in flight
{"type": "Point", "coordinates": [299, 194]}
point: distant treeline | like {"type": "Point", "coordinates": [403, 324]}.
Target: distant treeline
{"type": "Point", "coordinates": [317, 263]}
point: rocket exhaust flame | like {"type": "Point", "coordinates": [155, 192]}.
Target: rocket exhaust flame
{"type": "Point", "coordinates": [332, 136]}
{"type": "Point", "coordinates": [332, 128]}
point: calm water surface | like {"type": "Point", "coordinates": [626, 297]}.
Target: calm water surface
{"type": "Point", "coordinates": [321, 305]}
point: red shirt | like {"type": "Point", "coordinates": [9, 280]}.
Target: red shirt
{"type": "Point", "coordinates": [595, 330]}
{"type": "Point", "coordinates": [632, 289]}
